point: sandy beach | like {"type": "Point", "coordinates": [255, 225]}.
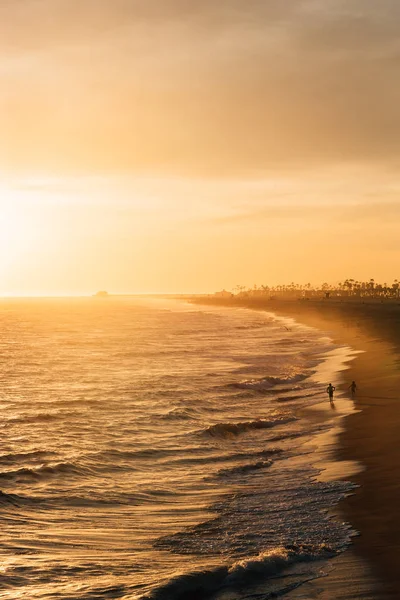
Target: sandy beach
{"type": "Point", "coordinates": [370, 436]}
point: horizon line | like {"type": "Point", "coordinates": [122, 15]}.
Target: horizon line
{"type": "Point", "coordinates": [94, 295]}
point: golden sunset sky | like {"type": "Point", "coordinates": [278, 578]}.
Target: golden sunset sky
{"type": "Point", "coordinates": [190, 145]}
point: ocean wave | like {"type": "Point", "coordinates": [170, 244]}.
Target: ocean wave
{"type": "Point", "coordinates": [177, 414]}
{"type": "Point", "coordinates": [303, 396]}
{"type": "Point", "coordinates": [19, 457]}
{"type": "Point", "coordinates": [266, 383]}
{"type": "Point", "coordinates": [116, 498]}
{"type": "Point", "coordinates": [26, 474]}
{"type": "Point", "coordinates": [274, 561]}
{"type": "Point", "coordinates": [252, 326]}
{"type": "Point", "coordinates": [225, 429]}
{"type": "Point", "coordinates": [17, 499]}
{"type": "Point", "coordinates": [241, 469]}
{"type": "Point", "coordinates": [222, 458]}
{"type": "Point", "coordinates": [88, 498]}
{"type": "Point", "coordinates": [40, 417]}
{"type": "Point", "coordinates": [145, 454]}
{"type": "Point", "coordinates": [299, 434]}
{"type": "Point", "coordinates": [271, 563]}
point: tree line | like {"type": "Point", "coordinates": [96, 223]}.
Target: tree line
{"type": "Point", "coordinates": [346, 288]}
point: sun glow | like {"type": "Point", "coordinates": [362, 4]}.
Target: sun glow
{"type": "Point", "coordinates": [18, 231]}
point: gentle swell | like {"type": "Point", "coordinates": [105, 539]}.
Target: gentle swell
{"type": "Point", "coordinates": [40, 417]}
{"type": "Point", "coordinates": [19, 457]}
{"type": "Point", "coordinates": [224, 429]}
{"type": "Point", "coordinates": [146, 453]}
{"type": "Point", "coordinates": [223, 458]}
{"type": "Point", "coordinates": [42, 472]}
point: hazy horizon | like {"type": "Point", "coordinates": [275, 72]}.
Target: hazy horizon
{"type": "Point", "coordinates": [177, 145]}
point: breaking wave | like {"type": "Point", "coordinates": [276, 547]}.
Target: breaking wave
{"type": "Point", "coordinates": [177, 414]}
{"type": "Point", "coordinates": [200, 584]}
{"type": "Point", "coordinates": [242, 469]}
{"type": "Point", "coordinates": [266, 383]}
{"type": "Point", "coordinates": [224, 429]}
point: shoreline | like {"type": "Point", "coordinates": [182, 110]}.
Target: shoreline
{"type": "Point", "coordinates": [370, 569]}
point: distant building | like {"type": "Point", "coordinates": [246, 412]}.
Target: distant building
{"type": "Point", "coordinates": [101, 294]}
{"type": "Point", "coordinates": [223, 294]}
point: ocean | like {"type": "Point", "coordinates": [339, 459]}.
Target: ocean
{"type": "Point", "coordinates": [152, 449]}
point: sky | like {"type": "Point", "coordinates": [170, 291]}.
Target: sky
{"type": "Point", "coordinates": [194, 145]}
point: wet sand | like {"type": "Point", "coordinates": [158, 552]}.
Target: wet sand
{"type": "Point", "coordinates": [370, 570]}
{"type": "Point", "coordinates": [371, 436]}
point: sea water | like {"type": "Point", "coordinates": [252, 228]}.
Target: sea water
{"type": "Point", "coordinates": [153, 449]}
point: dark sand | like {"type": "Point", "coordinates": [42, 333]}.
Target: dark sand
{"type": "Point", "coordinates": [371, 436]}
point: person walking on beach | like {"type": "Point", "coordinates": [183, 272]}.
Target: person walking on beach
{"type": "Point", "coordinates": [353, 388]}
{"type": "Point", "coordinates": [330, 389]}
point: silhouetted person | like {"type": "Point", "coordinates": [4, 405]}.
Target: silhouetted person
{"type": "Point", "coordinates": [330, 389]}
{"type": "Point", "coordinates": [353, 388]}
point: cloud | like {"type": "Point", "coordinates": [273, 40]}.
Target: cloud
{"type": "Point", "coordinates": [210, 88]}
{"type": "Point", "coordinates": [354, 214]}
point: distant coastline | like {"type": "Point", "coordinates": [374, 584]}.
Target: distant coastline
{"type": "Point", "coordinates": [349, 290]}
